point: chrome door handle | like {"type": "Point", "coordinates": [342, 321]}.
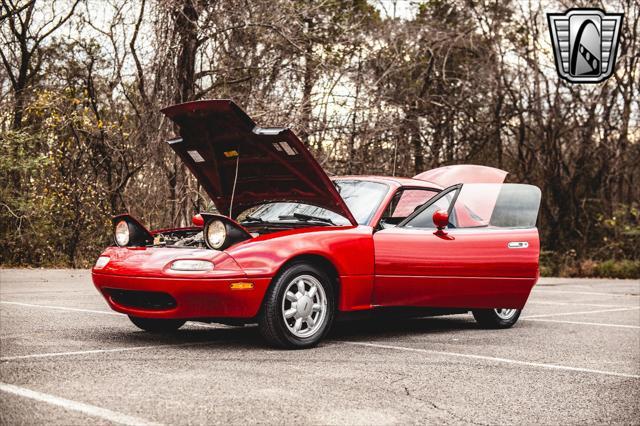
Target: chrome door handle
{"type": "Point", "coordinates": [517, 244]}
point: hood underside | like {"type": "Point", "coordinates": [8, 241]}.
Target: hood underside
{"type": "Point", "coordinates": [224, 149]}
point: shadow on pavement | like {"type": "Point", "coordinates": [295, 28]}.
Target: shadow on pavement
{"type": "Point", "coordinates": [399, 327]}
{"type": "Point", "coordinates": [249, 336]}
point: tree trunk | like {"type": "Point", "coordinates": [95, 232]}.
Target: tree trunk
{"type": "Point", "coordinates": [415, 141]}
{"type": "Point", "coordinates": [354, 120]}
{"type": "Point", "coordinates": [186, 18]}
{"type": "Point", "coordinates": [307, 88]}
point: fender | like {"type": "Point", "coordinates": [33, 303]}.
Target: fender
{"type": "Point", "coordinates": [348, 248]}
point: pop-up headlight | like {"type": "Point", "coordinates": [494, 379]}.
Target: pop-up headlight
{"type": "Point", "coordinates": [121, 233]}
{"type": "Point", "coordinates": [215, 234]}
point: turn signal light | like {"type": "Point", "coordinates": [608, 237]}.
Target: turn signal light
{"type": "Point", "coordinates": [241, 286]}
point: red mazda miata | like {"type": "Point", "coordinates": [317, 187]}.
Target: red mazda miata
{"type": "Point", "coordinates": [291, 248]}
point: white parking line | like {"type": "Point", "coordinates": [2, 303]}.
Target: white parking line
{"type": "Point", "coordinates": [496, 359]}
{"type": "Point", "coordinates": [589, 293]}
{"type": "Point", "coordinates": [62, 308]}
{"type": "Point", "coordinates": [81, 407]}
{"type": "Point", "coordinates": [93, 311]}
{"type": "Point", "coordinates": [600, 311]}
{"type": "Point", "coordinates": [99, 351]}
{"type": "Point", "coordinates": [581, 323]}
{"type": "Point", "coordinates": [204, 325]}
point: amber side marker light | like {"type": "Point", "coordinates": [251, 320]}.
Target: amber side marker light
{"type": "Point", "coordinates": [241, 286]}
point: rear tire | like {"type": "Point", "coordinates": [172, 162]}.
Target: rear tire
{"type": "Point", "coordinates": [496, 318]}
{"type": "Point", "coordinates": [299, 307]}
{"type": "Point", "coordinates": [156, 325]}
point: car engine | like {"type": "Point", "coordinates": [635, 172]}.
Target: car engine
{"type": "Point", "coordinates": [180, 238]}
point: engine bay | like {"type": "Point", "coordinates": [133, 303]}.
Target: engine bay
{"type": "Point", "coordinates": [179, 238]}
{"type": "Point", "coordinates": [194, 237]}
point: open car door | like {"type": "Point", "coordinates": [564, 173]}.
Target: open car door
{"type": "Point", "coordinates": [487, 257]}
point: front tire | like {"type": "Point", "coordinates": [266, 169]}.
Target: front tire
{"type": "Point", "coordinates": [156, 325]}
{"type": "Point", "coordinates": [496, 318]}
{"type": "Point", "coordinates": [298, 308]}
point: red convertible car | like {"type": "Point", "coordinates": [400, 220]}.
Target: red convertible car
{"type": "Point", "coordinates": [290, 247]}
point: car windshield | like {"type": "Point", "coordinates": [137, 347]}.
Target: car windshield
{"type": "Point", "coordinates": [362, 198]}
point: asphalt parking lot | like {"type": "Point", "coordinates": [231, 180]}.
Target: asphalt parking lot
{"type": "Point", "coordinates": [65, 358]}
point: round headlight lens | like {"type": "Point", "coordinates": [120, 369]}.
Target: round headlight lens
{"type": "Point", "coordinates": [216, 234]}
{"type": "Point", "coordinates": [122, 233]}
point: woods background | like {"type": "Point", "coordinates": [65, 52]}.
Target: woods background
{"type": "Point", "coordinates": [378, 87]}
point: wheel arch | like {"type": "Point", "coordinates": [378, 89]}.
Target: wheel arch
{"type": "Point", "coordinates": [346, 254]}
{"type": "Point", "coordinates": [312, 258]}
{"type": "Point", "coordinates": [318, 260]}
{"type": "Point", "coordinates": [352, 292]}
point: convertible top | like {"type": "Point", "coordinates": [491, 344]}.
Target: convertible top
{"type": "Point", "coordinates": [462, 173]}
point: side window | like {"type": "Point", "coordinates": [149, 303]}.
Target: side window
{"type": "Point", "coordinates": [410, 200]}
{"type": "Point", "coordinates": [404, 203]}
{"type": "Point", "coordinates": [482, 206]}
{"type": "Point", "coordinates": [509, 205]}
{"type": "Point", "coordinates": [475, 204]}
{"type": "Point", "coordinates": [424, 219]}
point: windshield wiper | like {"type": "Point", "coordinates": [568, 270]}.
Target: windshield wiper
{"type": "Point", "coordinates": [307, 217]}
{"type": "Point", "coordinates": [253, 219]}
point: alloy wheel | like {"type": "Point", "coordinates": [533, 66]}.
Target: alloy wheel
{"type": "Point", "coordinates": [304, 306]}
{"type": "Point", "coordinates": [505, 314]}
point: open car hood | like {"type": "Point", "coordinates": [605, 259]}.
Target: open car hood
{"type": "Point", "coordinates": [463, 173]}
{"type": "Point", "coordinates": [218, 139]}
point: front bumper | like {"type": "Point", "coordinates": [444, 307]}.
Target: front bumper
{"type": "Point", "coordinates": [201, 298]}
